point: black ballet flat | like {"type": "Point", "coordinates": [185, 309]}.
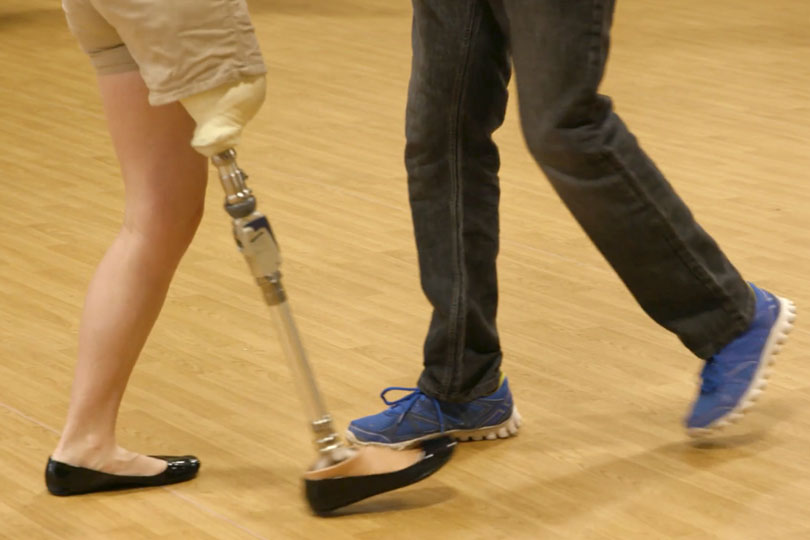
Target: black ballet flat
{"type": "Point", "coordinates": [63, 479]}
{"type": "Point", "coordinates": [328, 494]}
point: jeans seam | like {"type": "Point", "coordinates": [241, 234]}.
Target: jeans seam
{"type": "Point", "coordinates": [596, 50]}
{"type": "Point", "coordinates": [457, 320]}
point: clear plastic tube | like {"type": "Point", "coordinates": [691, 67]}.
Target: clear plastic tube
{"type": "Point", "coordinates": [326, 440]}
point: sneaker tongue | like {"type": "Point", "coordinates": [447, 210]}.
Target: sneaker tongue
{"type": "Point", "coordinates": [394, 410]}
{"type": "Point", "coordinates": [403, 404]}
{"type": "Point", "coordinates": [709, 374]}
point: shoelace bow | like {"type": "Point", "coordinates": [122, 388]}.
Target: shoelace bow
{"type": "Point", "coordinates": [409, 401]}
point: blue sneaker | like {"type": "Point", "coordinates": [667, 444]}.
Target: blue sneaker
{"type": "Point", "coordinates": [417, 417]}
{"type": "Point", "coordinates": [735, 377]}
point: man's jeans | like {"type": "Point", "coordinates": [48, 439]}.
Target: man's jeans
{"type": "Point", "coordinates": [462, 56]}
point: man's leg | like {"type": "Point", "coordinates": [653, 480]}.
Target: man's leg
{"type": "Point", "coordinates": [670, 264]}
{"type": "Point", "coordinates": [456, 100]}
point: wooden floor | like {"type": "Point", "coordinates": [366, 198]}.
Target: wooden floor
{"type": "Point", "coordinates": [718, 93]}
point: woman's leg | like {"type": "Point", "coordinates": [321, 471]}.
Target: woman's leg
{"type": "Point", "coordinates": [165, 182]}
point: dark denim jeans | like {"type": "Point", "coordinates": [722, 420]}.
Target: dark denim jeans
{"type": "Point", "coordinates": [462, 56]}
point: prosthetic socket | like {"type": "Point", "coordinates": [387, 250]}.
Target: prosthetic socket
{"type": "Point", "coordinates": [221, 114]}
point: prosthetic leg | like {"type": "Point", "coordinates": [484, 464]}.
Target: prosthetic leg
{"type": "Point", "coordinates": [341, 475]}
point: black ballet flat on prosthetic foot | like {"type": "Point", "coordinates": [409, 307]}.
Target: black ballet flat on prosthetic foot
{"type": "Point", "coordinates": [63, 479]}
{"type": "Point", "coordinates": [325, 495]}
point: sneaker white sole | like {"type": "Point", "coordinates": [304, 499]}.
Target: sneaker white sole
{"type": "Point", "coordinates": [774, 343]}
{"type": "Point", "coordinates": [504, 430]}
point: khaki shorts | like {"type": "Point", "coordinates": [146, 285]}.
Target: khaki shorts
{"type": "Point", "coordinates": [181, 47]}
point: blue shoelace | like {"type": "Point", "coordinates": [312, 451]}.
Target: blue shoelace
{"type": "Point", "coordinates": [409, 401]}
{"type": "Point", "coordinates": [711, 376]}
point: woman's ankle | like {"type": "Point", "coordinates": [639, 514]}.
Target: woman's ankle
{"type": "Point", "coordinates": [114, 461]}
{"type": "Point", "coordinates": [88, 451]}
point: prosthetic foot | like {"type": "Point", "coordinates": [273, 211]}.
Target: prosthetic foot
{"type": "Point", "coordinates": [341, 474]}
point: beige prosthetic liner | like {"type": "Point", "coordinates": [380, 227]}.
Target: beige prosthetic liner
{"type": "Point", "coordinates": [222, 113]}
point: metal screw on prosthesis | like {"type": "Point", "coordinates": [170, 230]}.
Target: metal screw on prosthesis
{"type": "Point", "coordinates": [326, 439]}
{"type": "Point", "coordinates": [272, 289]}
{"type": "Point", "coordinates": [239, 200]}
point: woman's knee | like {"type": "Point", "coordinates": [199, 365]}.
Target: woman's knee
{"type": "Point", "coordinates": [170, 223]}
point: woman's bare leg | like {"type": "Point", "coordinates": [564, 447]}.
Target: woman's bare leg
{"type": "Point", "coordinates": [165, 182]}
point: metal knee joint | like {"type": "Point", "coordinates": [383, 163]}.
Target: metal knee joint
{"type": "Point", "coordinates": [251, 230]}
